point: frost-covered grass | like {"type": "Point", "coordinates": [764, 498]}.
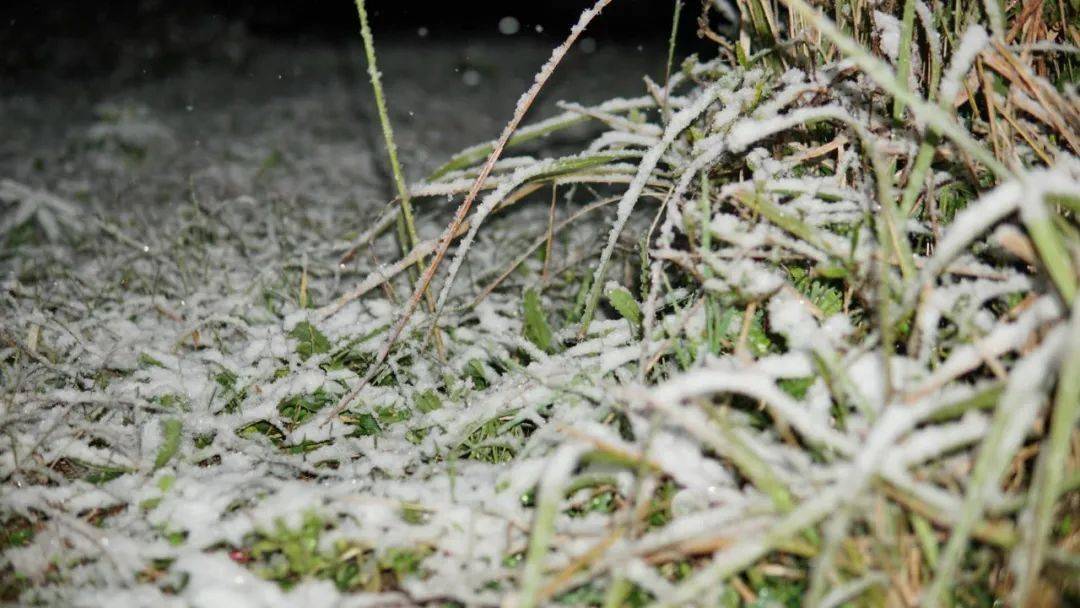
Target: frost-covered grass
{"type": "Point", "coordinates": [789, 328]}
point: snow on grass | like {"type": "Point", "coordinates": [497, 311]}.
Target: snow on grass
{"type": "Point", "coordinates": [760, 387]}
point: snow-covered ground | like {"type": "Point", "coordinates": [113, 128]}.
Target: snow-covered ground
{"type": "Point", "coordinates": [784, 366]}
{"type": "Point", "coordinates": [153, 320]}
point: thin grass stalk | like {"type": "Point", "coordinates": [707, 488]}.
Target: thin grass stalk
{"type": "Point", "coordinates": [666, 110]}
{"type": "Point", "coordinates": [903, 61]}
{"type": "Point", "coordinates": [679, 123]}
{"type": "Point", "coordinates": [546, 238]}
{"type": "Point", "coordinates": [387, 129]}
{"type": "Point", "coordinates": [894, 423]}
{"type": "Point", "coordinates": [843, 594]}
{"type": "Point", "coordinates": [1052, 251]}
{"type": "Point", "coordinates": [728, 443]}
{"type": "Point", "coordinates": [786, 221]}
{"type": "Point", "coordinates": [904, 491]}
{"type": "Point", "coordinates": [549, 497]}
{"type": "Point", "coordinates": [1015, 413]}
{"type": "Point", "coordinates": [1030, 553]}
{"type": "Point", "coordinates": [933, 39]}
{"type": "Point", "coordinates": [745, 552]}
{"type": "Point", "coordinates": [543, 128]}
{"type": "Point", "coordinates": [924, 533]}
{"type": "Point", "coordinates": [524, 103]}
{"type": "Point", "coordinates": [617, 592]}
{"type": "Point", "coordinates": [996, 18]}
{"type": "Point", "coordinates": [917, 176]}
{"type": "Point", "coordinates": [894, 225]}
{"type": "Point", "coordinates": [539, 170]}
{"type": "Point", "coordinates": [406, 225]}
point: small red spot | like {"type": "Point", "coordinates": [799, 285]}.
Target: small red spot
{"type": "Point", "coordinates": [240, 556]}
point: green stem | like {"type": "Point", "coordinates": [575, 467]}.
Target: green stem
{"type": "Point", "coordinates": [549, 496]}
{"type": "Point", "coordinates": [387, 130]}
{"type": "Point", "coordinates": [903, 62]}
{"type": "Point", "coordinates": [617, 593]}
{"type": "Point", "coordinates": [1052, 252]}
{"type": "Point", "coordinates": [1050, 471]}
{"type": "Point", "coordinates": [748, 550]}
{"type": "Point", "coordinates": [1016, 409]}
{"type": "Point", "coordinates": [894, 231]}
{"type": "Point", "coordinates": [474, 154]}
{"type": "Point", "coordinates": [917, 176]}
{"type": "Point", "coordinates": [924, 532]}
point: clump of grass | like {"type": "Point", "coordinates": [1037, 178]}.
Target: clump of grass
{"type": "Point", "coordinates": [290, 555]}
{"type": "Point", "coordinates": [846, 267]}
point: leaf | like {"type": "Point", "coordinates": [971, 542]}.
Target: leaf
{"type": "Point", "coordinates": [367, 425]}
{"type": "Point", "coordinates": [625, 305]}
{"type": "Point", "coordinates": [428, 401]}
{"type": "Point", "coordinates": [537, 329]}
{"type": "Point", "coordinates": [757, 337]}
{"type": "Point", "coordinates": [226, 380]}
{"type": "Point", "coordinates": [166, 482]}
{"type": "Point", "coordinates": [311, 340]}
{"type": "Point", "coordinates": [389, 414]}
{"type": "Point", "coordinates": [171, 430]}
{"type": "Point", "coordinates": [581, 300]}
{"type": "Point", "coordinates": [475, 370]}
{"type": "Point", "coordinates": [146, 360]}
{"type": "Point", "coordinates": [300, 407]}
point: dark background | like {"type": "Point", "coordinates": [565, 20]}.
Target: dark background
{"type": "Point", "coordinates": [70, 39]}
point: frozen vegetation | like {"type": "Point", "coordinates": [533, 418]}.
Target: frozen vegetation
{"type": "Point", "coordinates": [796, 325]}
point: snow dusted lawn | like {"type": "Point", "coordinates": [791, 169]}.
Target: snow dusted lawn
{"type": "Point", "coordinates": [790, 385]}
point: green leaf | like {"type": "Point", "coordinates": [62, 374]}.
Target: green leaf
{"type": "Point", "coordinates": [412, 514]}
{"type": "Point", "coordinates": [166, 482]}
{"type": "Point", "coordinates": [757, 337]}
{"type": "Point", "coordinates": [796, 387]}
{"type": "Point", "coordinates": [403, 561]}
{"type": "Point", "coordinates": [299, 408]}
{"type": "Point", "coordinates": [176, 538]}
{"type": "Point", "coordinates": [428, 401]}
{"type": "Point", "coordinates": [389, 414]}
{"type": "Point", "coordinates": [226, 380]}
{"type": "Point", "coordinates": [367, 425]}
{"type": "Point", "coordinates": [474, 369]}
{"type": "Point", "coordinates": [171, 430]}
{"type": "Point", "coordinates": [537, 329]}
{"type": "Point", "coordinates": [311, 340]}
{"type": "Point", "coordinates": [625, 305]}
{"type": "Point", "coordinates": [146, 360]}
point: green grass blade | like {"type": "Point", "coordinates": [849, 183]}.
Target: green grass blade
{"type": "Point", "coordinates": [171, 431]}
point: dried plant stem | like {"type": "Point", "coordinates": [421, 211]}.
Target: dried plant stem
{"type": "Point", "coordinates": [670, 58]}
{"type": "Point", "coordinates": [522, 108]}
{"type": "Point", "coordinates": [546, 238]}
{"type": "Point", "coordinates": [679, 123]}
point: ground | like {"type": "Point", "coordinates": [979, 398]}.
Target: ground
{"type": "Point", "coordinates": [713, 339]}
{"type": "Point", "coordinates": [196, 216]}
